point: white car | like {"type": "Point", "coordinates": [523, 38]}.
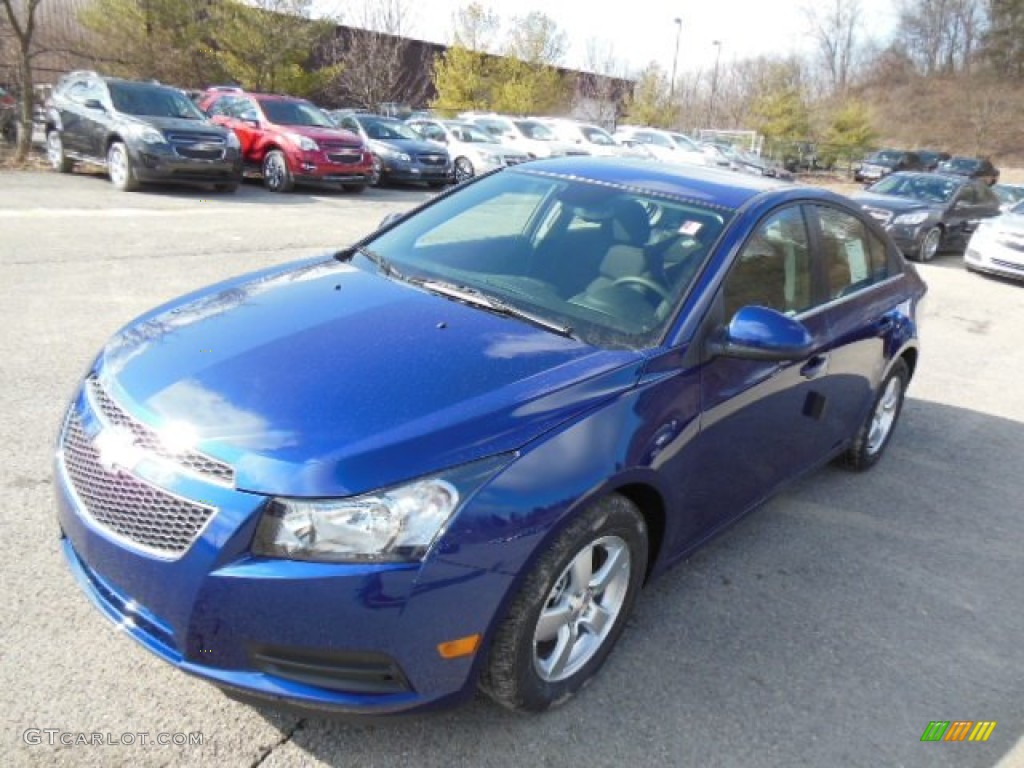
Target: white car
{"type": "Point", "coordinates": [997, 245]}
{"type": "Point", "coordinates": [472, 149]}
{"type": "Point", "coordinates": [596, 140]}
{"type": "Point", "coordinates": [531, 136]}
{"type": "Point", "coordinates": [663, 145]}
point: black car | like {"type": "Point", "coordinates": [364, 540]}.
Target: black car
{"type": "Point", "coordinates": [928, 212]}
{"type": "Point", "coordinates": [972, 168]}
{"type": "Point", "coordinates": [139, 132]}
{"type": "Point", "coordinates": [931, 159]}
{"type": "Point", "coordinates": [880, 164]}
{"type": "Point", "coordinates": [400, 154]}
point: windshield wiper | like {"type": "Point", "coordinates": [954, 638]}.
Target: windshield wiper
{"type": "Point", "coordinates": [383, 264]}
{"type": "Point", "coordinates": [476, 298]}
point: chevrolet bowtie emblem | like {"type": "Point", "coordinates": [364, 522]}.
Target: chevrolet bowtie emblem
{"type": "Point", "coordinates": [116, 448]}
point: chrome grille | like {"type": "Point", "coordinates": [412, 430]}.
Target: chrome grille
{"type": "Point", "coordinates": [196, 153]}
{"type": "Point", "coordinates": [212, 139]}
{"type": "Point", "coordinates": [1008, 265]}
{"type": "Point", "coordinates": [333, 145]}
{"type": "Point", "coordinates": [1014, 243]}
{"type": "Point", "coordinates": [350, 157]}
{"type": "Point", "coordinates": [131, 509]}
{"type": "Point", "coordinates": [145, 438]}
{"type": "Point", "coordinates": [433, 159]}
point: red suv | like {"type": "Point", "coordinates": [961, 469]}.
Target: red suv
{"type": "Point", "coordinates": [290, 140]}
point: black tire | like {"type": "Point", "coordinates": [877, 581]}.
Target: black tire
{"type": "Point", "coordinates": [868, 446]}
{"type": "Point", "coordinates": [517, 675]}
{"type": "Point", "coordinates": [227, 188]}
{"type": "Point", "coordinates": [355, 189]}
{"type": "Point", "coordinates": [55, 152]}
{"type": "Point", "coordinates": [930, 244]}
{"type": "Point", "coordinates": [464, 170]}
{"type": "Point", "coordinates": [277, 177]}
{"type": "Point", "coordinates": [120, 169]}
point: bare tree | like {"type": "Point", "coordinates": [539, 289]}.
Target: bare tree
{"type": "Point", "coordinates": [941, 35]}
{"type": "Point", "coordinates": [602, 89]}
{"type": "Point", "coordinates": [378, 59]}
{"type": "Point", "coordinates": [21, 18]}
{"type": "Point", "coordinates": [834, 29]}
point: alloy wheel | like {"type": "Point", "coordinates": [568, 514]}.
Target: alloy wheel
{"type": "Point", "coordinates": [884, 416]}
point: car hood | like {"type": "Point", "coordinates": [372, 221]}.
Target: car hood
{"type": "Point", "coordinates": [324, 134]}
{"type": "Point", "coordinates": [324, 379]}
{"type": "Point", "coordinates": [183, 125]}
{"type": "Point", "coordinates": [408, 145]}
{"type": "Point", "coordinates": [894, 203]}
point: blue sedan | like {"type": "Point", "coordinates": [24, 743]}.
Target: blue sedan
{"type": "Point", "coordinates": [450, 456]}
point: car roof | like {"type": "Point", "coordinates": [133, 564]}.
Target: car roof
{"type": "Point", "coordinates": [710, 186]}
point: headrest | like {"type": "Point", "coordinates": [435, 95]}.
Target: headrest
{"type": "Point", "coordinates": [623, 261]}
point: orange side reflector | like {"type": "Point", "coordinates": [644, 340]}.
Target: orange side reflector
{"type": "Point", "coordinates": [464, 646]}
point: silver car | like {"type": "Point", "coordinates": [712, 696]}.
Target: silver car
{"type": "Point", "coordinates": [472, 149]}
{"type": "Point", "coordinates": [997, 245]}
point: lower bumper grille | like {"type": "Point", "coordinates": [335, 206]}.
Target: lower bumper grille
{"type": "Point", "coordinates": [144, 516]}
{"type": "Point", "coordinates": [366, 673]}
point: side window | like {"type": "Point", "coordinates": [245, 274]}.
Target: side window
{"type": "Point", "coordinates": [773, 269]}
{"type": "Point", "coordinates": [77, 91]}
{"type": "Point", "coordinates": [434, 132]}
{"type": "Point", "coordinates": [221, 107]}
{"type": "Point", "coordinates": [853, 257]}
{"type": "Point", "coordinates": [349, 124]}
{"type": "Point", "coordinates": [244, 109]}
{"type": "Point", "coordinates": [969, 194]}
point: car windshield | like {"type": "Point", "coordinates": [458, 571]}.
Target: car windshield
{"type": "Point", "coordinates": [925, 187]}
{"type": "Point", "coordinates": [596, 135]}
{"type": "Point", "coordinates": [1007, 194]}
{"type": "Point", "coordinates": [534, 130]}
{"type": "Point", "coordinates": [302, 113]}
{"type": "Point", "coordinates": [377, 128]}
{"type": "Point", "coordinates": [610, 264]}
{"type": "Point", "coordinates": [884, 157]}
{"type": "Point", "coordinates": [469, 134]}
{"type": "Point", "coordinates": [961, 164]}
{"type": "Point", "coordinates": [685, 142]}
{"type": "Point", "coordinates": [147, 100]}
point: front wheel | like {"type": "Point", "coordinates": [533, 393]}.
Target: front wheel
{"type": "Point", "coordinates": [55, 153]}
{"type": "Point", "coordinates": [119, 167]}
{"type": "Point", "coordinates": [930, 244]}
{"type": "Point", "coordinates": [874, 434]}
{"type": "Point", "coordinates": [464, 170]}
{"type": "Point", "coordinates": [570, 611]}
{"type": "Point", "coordinates": [276, 176]}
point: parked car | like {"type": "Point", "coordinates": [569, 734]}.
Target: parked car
{"type": "Point", "coordinates": [972, 168]}
{"type": "Point", "coordinates": [531, 137]}
{"type": "Point", "coordinates": [662, 145]}
{"type": "Point", "coordinates": [1009, 195]}
{"type": "Point", "coordinates": [400, 154]}
{"type": "Point", "coordinates": [452, 453]}
{"type": "Point", "coordinates": [472, 149]}
{"type": "Point", "coordinates": [716, 153]}
{"type": "Point", "coordinates": [928, 212]}
{"type": "Point", "coordinates": [880, 164]}
{"type": "Point", "coordinates": [747, 162]}
{"type": "Point", "coordinates": [139, 132]}
{"type": "Point", "coordinates": [595, 139]}
{"type": "Point", "coordinates": [997, 245]}
{"type": "Point", "coordinates": [290, 141]}
{"type": "Point", "coordinates": [930, 159]}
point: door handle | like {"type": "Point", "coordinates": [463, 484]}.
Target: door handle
{"type": "Point", "coordinates": [885, 325]}
{"type": "Point", "coordinates": [815, 367]}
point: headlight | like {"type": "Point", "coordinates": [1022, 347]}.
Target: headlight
{"type": "Point", "coordinates": [232, 140]}
{"type": "Point", "coordinates": [150, 135]}
{"type": "Point", "coordinates": [396, 524]}
{"type": "Point", "coordinates": [393, 153]}
{"type": "Point", "coordinates": [304, 142]}
{"type": "Point", "coordinates": [911, 219]}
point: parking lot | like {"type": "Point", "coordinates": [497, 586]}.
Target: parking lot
{"type": "Point", "coordinates": [827, 629]}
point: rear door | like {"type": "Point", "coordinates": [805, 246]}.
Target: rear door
{"type": "Point", "coordinates": [70, 108]}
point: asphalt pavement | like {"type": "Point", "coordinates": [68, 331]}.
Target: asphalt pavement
{"type": "Point", "coordinates": [826, 629]}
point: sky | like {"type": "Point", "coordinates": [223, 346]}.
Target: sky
{"type": "Point", "coordinates": [644, 30]}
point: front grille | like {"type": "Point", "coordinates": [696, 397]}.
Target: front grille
{"type": "Point", "coordinates": [146, 439]}
{"type": "Point", "coordinates": [439, 160]}
{"type": "Point", "coordinates": [191, 153]}
{"type": "Point", "coordinates": [349, 672]}
{"type": "Point", "coordinates": [333, 145]}
{"type": "Point", "coordinates": [1008, 265]}
{"type": "Point", "coordinates": [211, 139]}
{"type": "Point", "coordinates": [126, 506]}
{"type": "Point", "coordinates": [1013, 243]}
{"type": "Point", "coordinates": [345, 158]}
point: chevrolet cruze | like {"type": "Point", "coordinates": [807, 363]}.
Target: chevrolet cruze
{"type": "Point", "coordinates": [450, 455]}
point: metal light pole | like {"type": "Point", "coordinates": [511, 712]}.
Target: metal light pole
{"type": "Point", "coordinates": [675, 59]}
{"type": "Point", "coordinates": [714, 84]}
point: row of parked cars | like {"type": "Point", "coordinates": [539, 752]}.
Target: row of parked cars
{"type": "Point", "coordinates": [885, 161]}
{"type": "Point", "coordinates": [145, 131]}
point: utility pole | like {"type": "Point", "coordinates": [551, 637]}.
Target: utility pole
{"type": "Point", "coordinates": [675, 59]}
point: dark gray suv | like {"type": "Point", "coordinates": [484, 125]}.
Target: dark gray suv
{"type": "Point", "coordinates": [139, 132]}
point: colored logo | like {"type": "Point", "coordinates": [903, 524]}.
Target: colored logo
{"type": "Point", "coordinates": [958, 730]}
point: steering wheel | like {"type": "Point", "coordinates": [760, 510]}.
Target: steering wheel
{"type": "Point", "coordinates": [643, 282]}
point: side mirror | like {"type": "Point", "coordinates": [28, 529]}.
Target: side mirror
{"type": "Point", "coordinates": [759, 333]}
{"type": "Point", "coordinates": [390, 219]}
{"type": "Point", "coordinates": [95, 104]}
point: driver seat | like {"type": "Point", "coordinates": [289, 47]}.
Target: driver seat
{"type": "Point", "coordinates": [627, 256]}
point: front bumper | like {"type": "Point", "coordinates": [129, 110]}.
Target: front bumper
{"type": "Point", "coordinates": [164, 163]}
{"type": "Point", "coordinates": [995, 257]}
{"type": "Point", "coordinates": [357, 638]}
{"type": "Point", "coordinates": [400, 170]}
